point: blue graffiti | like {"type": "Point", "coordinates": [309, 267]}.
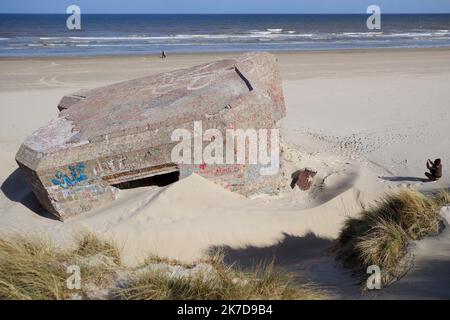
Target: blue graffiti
{"type": "Point", "coordinates": [65, 181]}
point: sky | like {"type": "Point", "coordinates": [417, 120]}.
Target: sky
{"type": "Point", "coordinates": [224, 6]}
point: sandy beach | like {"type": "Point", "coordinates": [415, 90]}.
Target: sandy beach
{"type": "Point", "coordinates": [367, 121]}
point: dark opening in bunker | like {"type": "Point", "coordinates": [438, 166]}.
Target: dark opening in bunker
{"type": "Point", "coordinates": [160, 180]}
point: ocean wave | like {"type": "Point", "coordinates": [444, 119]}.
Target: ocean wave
{"type": "Point", "coordinates": [261, 32]}
{"type": "Point", "coordinates": [252, 36]}
{"type": "Point", "coordinates": [427, 34]}
{"type": "Point", "coordinates": [95, 38]}
{"type": "Point", "coordinates": [362, 34]}
{"type": "Point", "coordinates": [109, 45]}
{"type": "Point", "coordinates": [255, 34]}
{"type": "Point", "coordinates": [410, 34]}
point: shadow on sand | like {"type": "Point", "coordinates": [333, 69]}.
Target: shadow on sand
{"type": "Point", "coordinates": [305, 258]}
{"type": "Point", "coordinates": [405, 179]}
{"type": "Point", "coordinates": [290, 250]}
{"type": "Point", "coordinates": [430, 280]}
{"type": "Point", "coordinates": [16, 189]}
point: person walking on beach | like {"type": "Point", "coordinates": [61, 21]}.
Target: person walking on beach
{"type": "Point", "coordinates": [435, 169]}
{"type": "Point", "coordinates": [163, 55]}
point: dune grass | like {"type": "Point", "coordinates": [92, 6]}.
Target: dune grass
{"type": "Point", "coordinates": [33, 269]}
{"type": "Point", "coordinates": [442, 197]}
{"type": "Point", "coordinates": [90, 244]}
{"type": "Point", "coordinates": [381, 235]}
{"type": "Point", "coordinates": [223, 283]}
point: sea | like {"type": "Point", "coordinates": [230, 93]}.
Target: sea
{"type": "Point", "coordinates": [48, 35]}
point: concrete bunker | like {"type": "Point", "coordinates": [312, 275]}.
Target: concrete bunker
{"type": "Point", "coordinates": [120, 135]}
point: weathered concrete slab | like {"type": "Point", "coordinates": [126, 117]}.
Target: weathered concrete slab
{"type": "Point", "coordinates": [122, 132]}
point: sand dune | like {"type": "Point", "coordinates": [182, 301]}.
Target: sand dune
{"type": "Point", "coordinates": [187, 219]}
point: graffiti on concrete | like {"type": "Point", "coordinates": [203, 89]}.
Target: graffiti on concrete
{"type": "Point", "coordinates": [65, 181]}
{"type": "Point", "coordinates": [121, 133]}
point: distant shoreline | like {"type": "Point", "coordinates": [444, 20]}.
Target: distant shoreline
{"type": "Point", "coordinates": [226, 53]}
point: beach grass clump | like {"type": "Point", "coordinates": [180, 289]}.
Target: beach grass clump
{"type": "Point", "coordinates": [99, 259]}
{"type": "Point", "coordinates": [223, 282]}
{"type": "Point", "coordinates": [32, 269]}
{"type": "Point", "coordinates": [442, 197]}
{"type": "Point", "coordinates": [381, 234]}
{"type": "Point", "coordinates": [35, 269]}
{"type": "Point", "coordinates": [89, 244]}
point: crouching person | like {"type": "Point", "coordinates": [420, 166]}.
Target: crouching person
{"type": "Point", "coordinates": [435, 169]}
